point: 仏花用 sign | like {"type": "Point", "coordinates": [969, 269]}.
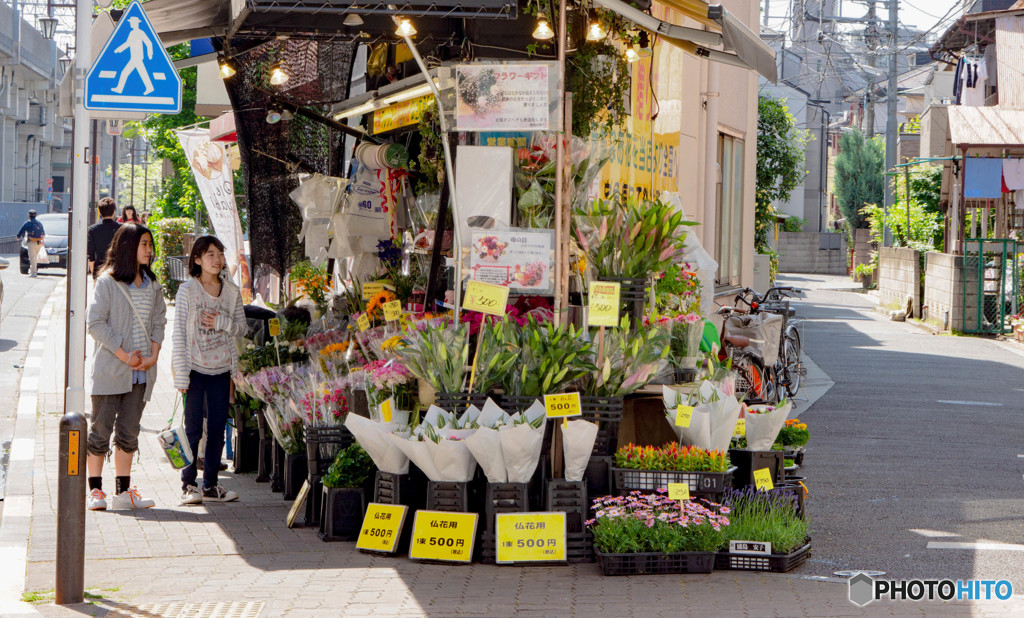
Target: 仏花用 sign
{"type": "Point", "coordinates": [502, 97]}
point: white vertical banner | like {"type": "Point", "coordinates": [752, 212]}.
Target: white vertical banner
{"type": "Point", "coordinates": [211, 167]}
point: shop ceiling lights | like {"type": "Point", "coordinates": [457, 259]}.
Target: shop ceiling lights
{"type": "Point", "coordinates": [277, 75]}
{"type": "Point", "coordinates": [273, 116]}
{"type": "Point", "coordinates": [352, 19]}
{"type": "Point", "coordinates": [405, 28]}
{"type": "Point", "coordinates": [543, 32]}
{"type": "Point", "coordinates": [595, 32]}
{"type": "Point", "coordinates": [226, 70]}
{"type": "Point", "coordinates": [631, 54]}
{"type": "Point", "coordinates": [382, 102]}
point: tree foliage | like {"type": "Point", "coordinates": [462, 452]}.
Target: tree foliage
{"type": "Point", "coordinates": [924, 215]}
{"type": "Point", "coordinates": [780, 162]}
{"type": "Point", "coordinates": [859, 178]}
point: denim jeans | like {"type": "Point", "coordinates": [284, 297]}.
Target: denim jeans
{"type": "Point", "coordinates": [207, 398]}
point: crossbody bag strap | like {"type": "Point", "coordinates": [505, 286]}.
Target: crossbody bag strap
{"type": "Point", "coordinates": [124, 290]}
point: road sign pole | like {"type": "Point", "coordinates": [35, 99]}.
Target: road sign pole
{"type": "Point", "coordinates": [70, 557]}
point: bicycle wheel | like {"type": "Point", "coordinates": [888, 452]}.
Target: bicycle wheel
{"type": "Point", "coordinates": [754, 379]}
{"type": "Point", "coordinates": [794, 363]}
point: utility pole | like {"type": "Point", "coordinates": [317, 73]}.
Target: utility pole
{"type": "Point", "coordinates": [890, 113]}
{"type": "Point", "coordinates": [764, 14]}
{"type": "Point", "coordinates": [871, 41]}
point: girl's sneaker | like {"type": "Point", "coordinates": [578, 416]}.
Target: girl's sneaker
{"type": "Point", "coordinates": [191, 495]}
{"type": "Point", "coordinates": [97, 500]}
{"type": "Point", "coordinates": [219, 494]}
{"type": "Point", "coordinates": [131, 499]}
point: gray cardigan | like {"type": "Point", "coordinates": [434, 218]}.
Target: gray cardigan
{"type": "Point", "coordinates": [110, 319]}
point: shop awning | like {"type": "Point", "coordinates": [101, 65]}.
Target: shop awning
{"type": "Point", "coordinates": [178, 21]}
{"type": "Point", "coordinates": [750, 51]}
{"type": "Point", "coordinates": [222, 128]}
{"type": "Point", "coordinates": [985, 126]}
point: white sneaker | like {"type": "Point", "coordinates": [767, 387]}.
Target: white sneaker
{"type": "Point", "coordinates": [131, 499]}
{"type": "Point", "coordinates": [191, 495]}
{"type": "Point", "coordinates": [219, 494]}
{"type": "Point", "coordinates": [97, 500]}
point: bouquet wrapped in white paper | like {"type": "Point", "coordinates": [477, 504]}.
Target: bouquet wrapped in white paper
{"type": "Point", "coordinates": [577, 444]}
{"type": "Point", "coordinates": [507, 447]}
{"type": "Point", "coordinates": [764, 423]}
{"type": "Point", "coordinates": [714, 417]}
{"type": "Point", "coordinates": [375, 438]}
{"type": "Point", "coordinates": [437, 446]}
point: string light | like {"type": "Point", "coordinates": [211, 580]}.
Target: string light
{"type": "Point", "coordinates": [595, 32]}
{"type": "Point", "coordinates": [226, 70]}
{"type": "Point", "coordinates": [405, 28]}
{"type": "Point", "coordinates": [277, 75]}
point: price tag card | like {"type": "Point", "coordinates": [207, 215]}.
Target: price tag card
{"type": "Point", "coordinates": [763, 480]}
{"type": "Point", "coordinates": [485, 298]}
{"type": "Point", "coordinates": [684, 414]}
{"type": "Point", "coordinates": [372, 288]}
{"type": "Point", "coordinates": [363, 322]}
{"type": "Point", "coordinates": [274, 325]}
{"type": "Point", "coordinates": [530, 537]}
{"type": "Point", "coordinates": [382, 527]}
{"type": "Point", "coordinates": [566, 404]}
{"type": "Point", "coordinates": [437, 535]}
{"type": "Point", "coordinates": [741, 427]}
{"type": "Point", "coordinates": [392, 310]}
{"type": "Point", "coordinates": [603, 302]}
{"type": "Point", "coordinates": [750, 547]}
{"type": "Point", "coordinates": [679, 491]}
{"type": "Point", "coordinates": [387, 409]}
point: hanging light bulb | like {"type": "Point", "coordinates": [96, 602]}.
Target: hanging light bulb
{"type": "Point", "coordinates": [543, 31]}
{"type": "Point", "coordinates": [286, 115]}
{"type": "Point", "coordinates": [277, 75]}
{"type": "Point", "coordinates": [353, 19]}
{"type": "Point", "coordinates": [631, 54]}
{"type": "Point", "coordinates": [226, 70]}
{"type": "Point", "coordinates": [273, 116]}
{"type": "Point", "coordinates": [595, 32]}
{"type": "Point", "coordinates": [644, 45]}
{"type": "Point", "coordinates": [405, 28]}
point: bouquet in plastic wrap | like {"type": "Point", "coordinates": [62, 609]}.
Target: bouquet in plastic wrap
{"type": "Point", "coordinates": [763, 423]}
{"type": "Point", "coordinates": [507, 447]}
{"type": "Point", "coordinates": [276, 386]}
{"type": "Point", "coordinates": [535, 177]}
{"type": "Point", "coordinates": [631, 358]}
{"type": "Point", "coordinates": [387, 379]}
{"type": "Point", "coordinates": [437, 446]}
{"type": "Point", "coordinates": [712, 421]}
{"type": "Point", "coordinates": [438, 355]}
{"type": "Point", "coordinates": [373, 436]}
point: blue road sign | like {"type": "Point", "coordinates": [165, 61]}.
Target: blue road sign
{"type": "Point", "coordinates": [133, 73]}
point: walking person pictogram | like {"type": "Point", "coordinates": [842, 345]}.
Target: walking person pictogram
{"type": "Point", "coordinates": [136, 44]}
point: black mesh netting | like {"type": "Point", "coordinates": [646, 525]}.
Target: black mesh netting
{"type": "Point", "coordinates": [319, 74]}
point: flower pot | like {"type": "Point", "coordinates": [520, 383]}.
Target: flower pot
{"type": "Point", "coordinates": [656, 563]}
{"type": "Point", "coordinates": [295, 471]}
{"type": "Point", "coordinates": [246, 451]}
{"type": "Point", "coordinates": [747, 462]}
{"type": "Point", "coordinates": [776, 563]}
{"type": "Point", "coordinates": [341, 515]}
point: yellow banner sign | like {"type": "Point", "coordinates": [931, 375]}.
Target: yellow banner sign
{"type": "Point", "coordinates": [530, 537]}
{"type": "Point", "coordinates": [382, 527]}
{"type": "Point", "coordinates": [401, 114]}
{"type": "Point", "coordinates": [437, 535]}
{"type": "Point", "coordinates": [603, 302]}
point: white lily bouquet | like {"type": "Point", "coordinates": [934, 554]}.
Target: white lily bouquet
{"type": "Point", "coordinates": [764, 423]}
{"type": "Point", "coordinates": [375, 438]}
{"type": "Point", "coordinates": [507, 447]}
{"type": "Point", "coordinates": [437, 445]}
{"type": "Point", "coordinates": [714, 416]}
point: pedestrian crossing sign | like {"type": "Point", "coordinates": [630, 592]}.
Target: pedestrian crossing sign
{"type": "Point", "coordinates": [133, 72]}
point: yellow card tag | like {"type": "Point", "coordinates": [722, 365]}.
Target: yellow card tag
{"type": "Point", "coordinates": [438, 535]}
{"type": "Point", "coordinates": [679, 491]}
{"type": "Point", "coordinates": [372, 288]}
{"type": "Point", "coordinates": [363, 322]}
{"type": "Point", "coordinates": [763, 480]}
{"type": "Point", "coordinates": [684, 414]}
{"type": "Point", "coordinates": [485, 298]}
{"type": "Point", "coordinates": [392, 310]}
{"type": "Point", "coordinates": [566, 404]}
{"type": "Point", "coordinates": [274, 325]}
{"type": "Point", "coordinates": [741, 427]}
{"type": "Point", "coordinates": [603, 301]}
{"type": "Point", "coordinates": [530, 537]}
{"type": "Point", "coordinates": [382, 527]}
{"type": "Point", "coordinates": [387, 409]}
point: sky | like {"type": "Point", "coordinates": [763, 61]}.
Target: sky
{"type": "Point", "coordinates": [921, 14]}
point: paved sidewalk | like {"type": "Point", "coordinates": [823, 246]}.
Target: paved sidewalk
{"type": "Point", "coordinates": [239, 559]}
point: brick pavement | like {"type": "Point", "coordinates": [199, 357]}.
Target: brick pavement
{"type": "Point", "coordinates": [242, 556]}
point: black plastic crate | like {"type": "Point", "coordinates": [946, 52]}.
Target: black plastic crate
{"type": "Point", "coordinates": [246, 451]}
{"type": "Point", "coordinates": [656, 563]}
{"type": "Point", "coordinates": [796, 454]}
{"type": "Point", "coordinates": [798, 490]}
{"type": "Point", "coordinates": [264, 465]}
{"type": "Point", "coordinates": [775, 563]}
{"type": "Point", "coordinates": [606, 412]}
{"type": "Point", "coordinates": [450, 497]}
{"type": "Point", "coordinates": [702, 484]}
{"type": "Point", "coordinates": [747, 462]}
{"type": "Point", "coordinates": [570, 497]}
{"type": "Point", "coordinates": [408, 489]}
{"type": "Point", "coordinates": [516, 403]}
{"type": "Point", "coordinates": [598, 476]}
{"type": "Point", "coordinates": [323, 445]}
{"type": "Point", "coordinates": [504, 498]}
{"type": "Point", "coordinates": [457, 403]}
{"type": "Point", "coordinates": [295, 469]}
{"type": "Point", "coordinates": [341, 514]}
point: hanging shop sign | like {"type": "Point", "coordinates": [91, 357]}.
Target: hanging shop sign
{"type": "Point", "coordinates": [530, 537]}
{"type": "Point", "coordinates": [518, 258]}
{"type": "Point", "coordinates": [503, 97]}
{"type": "Point", "coordinates": [401, 114]}
{"type": "Point", "coordinates": [438, 535]}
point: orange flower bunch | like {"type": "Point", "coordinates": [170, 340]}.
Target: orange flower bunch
{"type": "Point", "coordinates": [375, 306]}
{"type": "Point", "coordinates": [672, 456]}
{"type": "Point", "coordinates": [794, 433]}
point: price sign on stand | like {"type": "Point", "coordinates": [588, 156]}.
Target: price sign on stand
{"type": "Point", "coordinates": [387, 409]}
{"type": "Point", "coordinates": [485, 298]}
{"type": "Point", "coordinates": [382, 527]}
{"type": "Point", "coordinates": [437, 535]}
{"type": "Point", "coordinates": [559, 406]}
{"type": "Point", "coordinates": [603, 303]}
{"type": "Point", "coordinates": [679, 491]}
{"type": "Point", "coordinates": [684, 415]}
{"type": "Point", "coordinates": [274, 325]}
{"type": "Point", "coordinates": [741, 427]}
{"type": "Point", "coordinates": [530, 537]}
{"type": "Point", "coordinates": [371, 289]}
{"type": "Point", "coordinates": [763, 480]}
{"type": "Point", "coordinates": [392, 310]}
{"type": "Point", "coordinates": [363, 322]}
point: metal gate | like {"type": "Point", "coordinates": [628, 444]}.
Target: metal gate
{"type": "Point", "coordinates": [990, 285]}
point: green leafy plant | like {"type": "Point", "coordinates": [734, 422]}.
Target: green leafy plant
{"type": "Point", "coordinates": [642, 523]}
{"type": "Point", "coordinates": [672, 456]}
{"type": "Point", "coordinates": [169, 238]}
{"type": "Point", "coordinates": [793, 434]}
{"type": "Point", "coordinates": [313, 281]}
{"type": "Point", "coordinates": [351, 468]}
{"type": "Point", "coordinates": [554, 358]}
{"type": "Point", "coordinates": [631, 358]}
{"type": "Point", "coordinates": [438, 355]}
{"type": "Point", "coordinates": [430, 161]}
{"type": "Point", "coordinates": [859, 178]}
{"type": "Point", "coordinates": [764, 516]}
{"type": "Point", "coordinates": [598, 76]}
{"type": "Point", "coordinates": [497, 354]}
{"type": "Point", "coordinates": [780, 163]}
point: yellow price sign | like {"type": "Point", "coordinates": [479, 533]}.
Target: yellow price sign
{"type": "Point", "coordinates": [530, 537]}
{"type": "Point", "coordinates": [684, 415]}
{"type": "Point", "coordinates": [387, 409]}
{"type": "Point", "coordinates": [566, 404]}
{"type": "Point", "coordinates": [363, 322]}
{"type": "Point", "coordinates": [437, 535]}
{"type": "Point", "coordinates": [741, 427]}
{"type": "Point", "coordinates": [382, 527]}
{"type": "Point", "coordinates": [603, 302]}
{"type": "Point", "coordinates": [372, 288]}
{"type": "Point", "coordinates": [275, 326]}
{"type": "Point", "coordinates": [679, 491]}
{"type": "Point", "coordinates": [763, 480]}
{"type": "Point", "coordinates": [392, 310]}
{"type": "Point", "coordinates": [485, 298]}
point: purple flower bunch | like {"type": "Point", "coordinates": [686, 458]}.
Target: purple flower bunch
{"type": "Point", "coordinates": [641, 522]}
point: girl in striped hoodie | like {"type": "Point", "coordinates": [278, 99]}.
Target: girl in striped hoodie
{"type": "Point", "coordinates": [208, 315]}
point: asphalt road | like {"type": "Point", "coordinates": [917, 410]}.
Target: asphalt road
{"type": "Point", "coordinates": [23, 301]}
{"type": "Point", "coordinates": [919, 441]}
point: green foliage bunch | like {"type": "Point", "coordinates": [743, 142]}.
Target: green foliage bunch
{"type": "Point", "coordinates": [438, 355]}
{"type": "Point", "coordinates": [765, 516]}
{"type": "Point", "coordinates": [631, 358]}
{"type": "Point", "coordinates": [859, 178]}
{"type": "Point", "coordinates": [780, 163]}
{"type": "Point", "coordinates": [497, 354]}
{"type": "Point", "coordinates": [169, 238]}
{"type": "Point", "coordinates": [598, 76]}
{"type": "Point", "coordinates": [351, 468]}
{"type": "Point", "coordinates": [554, 359]}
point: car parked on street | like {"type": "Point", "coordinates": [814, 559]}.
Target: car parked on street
{"type": "Point", "coordinates": [55, 226]}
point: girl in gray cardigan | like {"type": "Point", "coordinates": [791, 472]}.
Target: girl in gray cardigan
{"type": "Point", "coordinates": [126, 318]}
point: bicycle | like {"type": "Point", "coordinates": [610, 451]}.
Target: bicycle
{"type": "Point", "coordinates": [789, 369]}
{"type": "Point", "coordinates": [754, 379]}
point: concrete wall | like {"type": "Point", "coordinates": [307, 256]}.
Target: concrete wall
{"type": "Point", "coordinates": [800, 252]}
{"type": "Point", "coordinates": [899, 278]}
{"type": "Point", "coordinates": [862, 248]}
{"type": "Point", "coordinates": [934, 129]}
{"type": "Point", "coordinates": [944, 289]}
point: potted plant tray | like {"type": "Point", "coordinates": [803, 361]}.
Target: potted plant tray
{"type": "Point", "coordinates": [776, 563]}
{"type": "Point", "coordinates": [627, 480]}
{"type": "Point", "coordinates": [656, 563]}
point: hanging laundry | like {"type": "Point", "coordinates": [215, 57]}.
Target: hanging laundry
{"type": "Point", "coordinates": [983, 178]}
{"type": "Point", "coordinates": [973, 79]}
{"type": "Point", "coordinates": [1013, 173]}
